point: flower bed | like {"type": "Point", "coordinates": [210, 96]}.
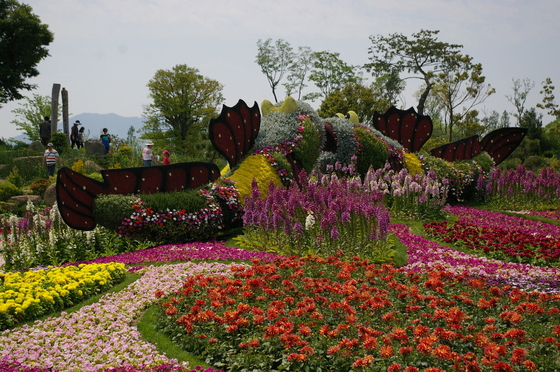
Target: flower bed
{"type": "Point", "coordinates": [186, 252]}
{"type": "Point", "coordinates": [28, 295]}
{"type": "Point", "coordinates": [102, 335]}
{"type": "Point", "coordinates": [312, 313]}
{"type": "Point", "coordinates": [424, 254]}
{"type": "Point", "coordinates": [500, 236]}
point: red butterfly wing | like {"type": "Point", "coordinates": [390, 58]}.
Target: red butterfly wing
{"type": "Point", "coordinates": [464, 149]}
{"type": "Point", "coordinates": [233, 133]}
{"type": "Point", "coordinates": [500, 143]}
{"type": "Point", "coordinates": [406, 127]}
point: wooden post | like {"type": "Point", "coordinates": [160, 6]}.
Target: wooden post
{"type": "Point", "coordinates": [54, 107]}
{"type": "Point", "coordinates": [65, 121]}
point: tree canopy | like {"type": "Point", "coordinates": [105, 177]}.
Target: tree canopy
{"type": "Point", "coordinates": [30, 114]}
{"type": "Point", "coordinates": [423, 56]}
{"type": "Point", "coordinates": [275, 59]}
{"type": "Point", "coordinates": [183, 100]}
{"type": "Point", "coordinates": [23, 41]}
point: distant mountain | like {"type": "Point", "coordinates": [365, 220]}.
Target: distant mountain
{"type": "Point", "coordinates": [117, 125]}
{"type": "Point", "coordinates": [94, 124]}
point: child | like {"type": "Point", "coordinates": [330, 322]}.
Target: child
{"type": "Point", "coordinates": [166, 159]}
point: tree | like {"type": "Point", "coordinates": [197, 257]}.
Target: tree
{"type": "Point", "coordinates": [520, 92]}
{"type": "Point", "coordinates": [421, 55]}
{"type": "Point", "coordinates": [364, 101]}
{"type": "Point", "coordinates": [182, 98]}
{"type": "Point", "coordinates": [389, 87]}
{"type": "Point", "coordinates": [460, 86]}
{"type": "Point", "coordinates": [548, 102]}
{"type": "Point", "coordinates": [31, 113]}
{"type": "Point", "coordinates": [298, 71]}
{"type": "Point", "coordinates": [330, 73]}
{"type": "Point", "coordinates": [23, 41]}
{"type": "Point", "coordinates": [275, 60]}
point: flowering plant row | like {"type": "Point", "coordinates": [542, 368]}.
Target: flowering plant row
{"type": "Point", "coordinates": [41, 238]}
{"type": "Point", "coordinates": [28, 295]}
{"type": "Point", "coordinates": [514, 189]}
{"type": "Point", "coordinates": [174, 225]}
{"type": "Point", "coordinates": [321, 217]}
{"type": "Point", "coordinates": [508, 238]}
{"type": "Point", "coordinates": [325, 314]}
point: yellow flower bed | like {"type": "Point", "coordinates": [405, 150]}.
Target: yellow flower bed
{"type": "Point", "coordinates": [258, 168]}
{"type": "Point", "coordinates": [29, 295]}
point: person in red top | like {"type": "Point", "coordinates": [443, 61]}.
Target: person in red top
{"type": "Point", "coordinates": [166, 159]}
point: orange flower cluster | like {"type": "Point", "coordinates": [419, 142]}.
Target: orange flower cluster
{"type": "Point", "coordinates": [335, 315]}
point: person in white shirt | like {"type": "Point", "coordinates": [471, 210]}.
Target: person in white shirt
{"type": "Point", "coordinates": [50, 159]}
{"type": "Point", "coordinates": [148, 155]}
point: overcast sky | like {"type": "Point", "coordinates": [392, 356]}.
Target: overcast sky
{"type": "Point", "coordinates": [105, 51]}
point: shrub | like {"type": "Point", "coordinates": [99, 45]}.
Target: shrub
{"type": "Point", "coordinates": [307, 151]}
{"type": "Point", "coordinates": [15, 178]}
{"type": "Point", "coordinates": [371, 153]}
{"type": "Point", "coordinates": [188, 200]}
{"type": "Point", "coordinates": [110, 210]}
{"type": "Point", "coordinates": [40, 185]}
{"type": "Point", "coordinates": [60, 142]}
{"type": "Point", "coordinates": [7, 190]}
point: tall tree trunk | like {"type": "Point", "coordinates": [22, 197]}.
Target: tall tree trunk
{"type": "Point", "coordinates": [424, 97]}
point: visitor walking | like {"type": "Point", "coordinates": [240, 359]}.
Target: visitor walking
{"type": "Point", "coordinates": [74, 135]}
{"type": "Point", "coordinates": [105, 139]}
{"type": "Point", "coordinates": [148, 155]}
{"type": "Point", "coordinates": [50, 159]}
{"type": "Point", "coordinates": [45, 131]}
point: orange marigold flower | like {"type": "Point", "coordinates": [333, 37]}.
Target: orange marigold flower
{"type": "Point", "coordinates": [529, 365]}
{"type": "Point", "coordinates": [442, 352]}
{"type": "Point", "coordinates": [307, 350]}
{"type": "Point", "coordinates": [363, 362]}
{"type": "Point", "coordinates": [405, 350]}
{"type": "Point", "coordinates": [502, 367]}
{"type": "Point", "coordinates": [394, 368]}
{"type": "Point", "coordinates": [369, 343]}
{"type": "Point", "coordinates": [386, 351]}
{"type": "Point", "coordinates": [254, 342]}
{"type": "Point", "coordinates": [511, 317]}
{"type": "Point", "coordinates": [411, 369]}
{"type": "Point", "coordinates": [518, 356]}
{"type": "Point", "coordinates": [556, 329]}
{"type": "Point", "coordinates": [171, 311]}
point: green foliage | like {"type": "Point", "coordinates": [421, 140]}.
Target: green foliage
{"type": "Point", "coordinates": [330, 73]}
{"type": "Point", "coordinates": [7, 190]}
{"type": "Point", "coordinates": [31, 113]}
{"type": "Point", "coordinates": [188, 200]}
{"type": "Point", "coordinates": [307, 151]}
{"type": "Point", "coordinates": [15, 178]}
{"type": "Point", "coordinates": [364, 101]}
{"type": "Point", "coordinates": [181, 98]}
{"type": "Point", "coordinates": [60, 142]}
{"type": "Point", "coordinates": [372, 152]}
{"type": "Point", "coordinates": [110, 210]}
{"type": "Point", "coordinates": [23, 42]}
{"type": "Point", "coordinates": [485, 161]}
{"type": "Point", "coordinates": [274, 58]}
{"type": "Point", "coordinates": [421, 55]}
